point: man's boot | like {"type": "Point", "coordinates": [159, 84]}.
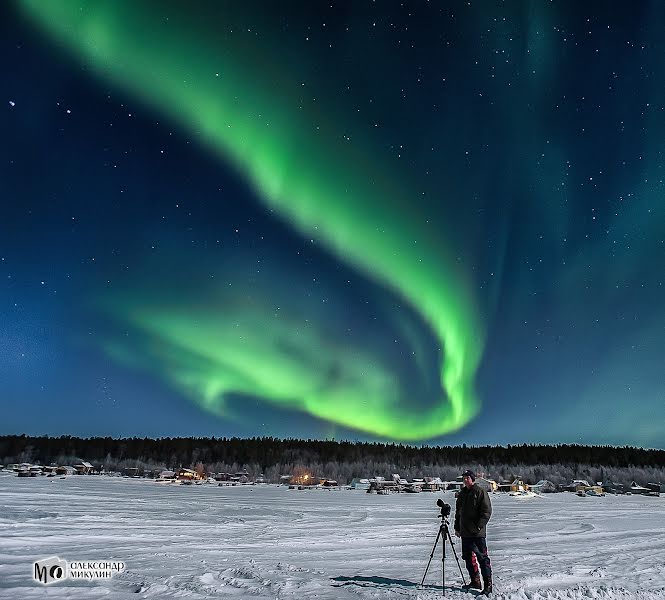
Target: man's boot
{"type": "Point", "coordinates": [474, 584]}
{"type": "Point", "coordinates": [488, 586]}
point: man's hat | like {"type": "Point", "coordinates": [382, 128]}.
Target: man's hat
{"type": "Point", "coordinates": [469, 473]}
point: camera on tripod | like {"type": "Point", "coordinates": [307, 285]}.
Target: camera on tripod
{"type": "Point", "coordinates": [445, 508]}
{"type": "Point", "coordinates": [444, 534]}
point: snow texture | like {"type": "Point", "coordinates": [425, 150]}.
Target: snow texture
{"type": "Point", "coordinates": [271, 542]}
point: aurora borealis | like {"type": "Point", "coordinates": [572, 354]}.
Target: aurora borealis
{"type": "Point", "coordinates": [393, 222]}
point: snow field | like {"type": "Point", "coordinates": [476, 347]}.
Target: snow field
{"type": "Point", "coordinates": [272, 542]}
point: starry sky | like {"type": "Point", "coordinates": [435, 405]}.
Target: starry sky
{"type": "Point", "coordinates": [425, 222]}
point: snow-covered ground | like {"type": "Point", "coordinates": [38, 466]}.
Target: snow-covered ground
{"type": "Point", "coordinates": [272, 542]}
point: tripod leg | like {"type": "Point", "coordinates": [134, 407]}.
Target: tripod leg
{"type": "Point", "coordinates": [436, 541]}
{"type": "Point", "coordinates": [443, 561]}
{"type": "Point", "coordinates": [450, 539]}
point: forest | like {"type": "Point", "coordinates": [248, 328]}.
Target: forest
{"type": "Point", "coordinates": [342, 460]}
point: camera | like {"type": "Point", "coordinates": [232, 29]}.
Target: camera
{"type": "Point", "coordinates": [445, 508]}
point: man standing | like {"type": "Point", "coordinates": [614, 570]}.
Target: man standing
{"type": "Point", "coordinates": [472, 512]}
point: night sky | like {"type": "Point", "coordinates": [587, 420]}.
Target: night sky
{"type": "Point", "coordinates": [428, 222]}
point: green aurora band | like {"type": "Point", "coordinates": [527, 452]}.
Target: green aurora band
{"type": "Point", "coordinates": [241, 101]}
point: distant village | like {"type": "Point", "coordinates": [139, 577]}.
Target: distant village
{"type": "Point", "coordinates": [303, 479]}
{"type": "Point", "coordinates": [304, 464]}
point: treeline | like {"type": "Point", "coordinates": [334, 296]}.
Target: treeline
{"type": "Point", "coordinates": [342, 460]}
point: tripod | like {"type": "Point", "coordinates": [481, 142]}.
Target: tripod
{"type": "Point", "coordinates": [444, 533]}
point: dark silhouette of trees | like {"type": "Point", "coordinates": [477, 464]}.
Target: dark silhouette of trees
{"type": "Point", "coordinates": [342, 460]}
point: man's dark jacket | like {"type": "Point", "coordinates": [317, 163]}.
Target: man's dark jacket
{"type": "Point", "coordinates": [473, 510]}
